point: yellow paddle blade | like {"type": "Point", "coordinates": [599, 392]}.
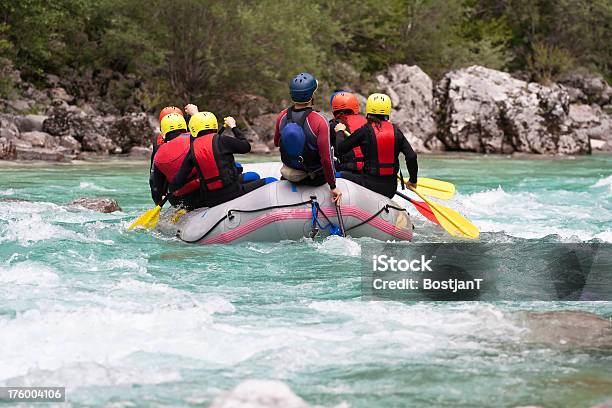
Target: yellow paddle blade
{"type": "Point", "coordinates": [174, 218]}
{"type": "Point", "coordinates": [453, 222]}
{"type": "Point", "coordinates": [434, 188]}
{"type": "Point", "coordinates": [148, 220]}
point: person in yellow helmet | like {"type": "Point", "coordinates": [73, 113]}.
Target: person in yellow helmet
{"type": "Point", "coordinates": [166, 163]}
{"type": "Point", "coordinates": [212, 157]}
{"type": "Point", "coordinates": [381, 142]}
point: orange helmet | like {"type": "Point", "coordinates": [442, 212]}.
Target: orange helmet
{"type": "Point", "coordinates": [345, 101]}
{"type": "Point", "coordinates": [169, 109]}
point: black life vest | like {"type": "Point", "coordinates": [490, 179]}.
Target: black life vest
{"type": "Point", "coordinates": [354, 159]}
{"type": "Point", "coordinates": [382, 157]}
{"type": "Point", "coordinates": [298, 147]}
{"type": "Point", "coordinates": [216, 170]}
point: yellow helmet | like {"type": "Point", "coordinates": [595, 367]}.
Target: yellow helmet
{"type": "Point", "coordinates": [378, 104]}
{"type": "Point", "coordinates": [172, 121]}
{"type": "Point", "coordinates": [202, 121]}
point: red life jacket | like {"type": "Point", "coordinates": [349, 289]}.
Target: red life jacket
{"type": "Point", "coordinates": [353, 122]}
{"type": "Point", "coordinates": [383, 159]}
{"type": "Point", "coordinates": [215, 169]}
{"type": "Point", "coordinates": [160, 139]}
{"type": "Point", "coordinates": [169, 158]}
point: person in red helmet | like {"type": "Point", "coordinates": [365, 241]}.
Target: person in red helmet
{"type": "Point", "coordinates": [167, 162]}
{"type": "Point", "coordinates": [303, 137]}
{"type": "Point", "coordinates": [345, 107]}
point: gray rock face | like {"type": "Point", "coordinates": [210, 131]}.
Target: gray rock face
{"type": "Point", "coordinates": [8, 127]}
{"type": "Point", "coordinates": [89, 130]}
{"type": "Point", "coordinates": [594, 86]}
{"type": "Point", "coordinates": [30, 123]}
{"type": "Point", "coordinates": [100, 204]}
{"type": "Point", "coordinates": [39, 139]}
{"type": "Point", "coordinates": [411, 92]}
{"type": "Point", "coordinates": [7, 149]}
{"type": "Point", "coordinates": [130, 130]}
{"type": "Point", "coordinates": [488, 111]}
{"type": "Point", "coordinates": [40, 153]}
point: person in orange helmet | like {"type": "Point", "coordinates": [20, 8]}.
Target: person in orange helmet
{"type": "Point", "coordinates": [345, 108]}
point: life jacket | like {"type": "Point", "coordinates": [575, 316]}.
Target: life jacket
{"type": "Point", "coordinates": [354, 159]}
{"type": "Point", "coordinates": [298, 147]}
{"type": "Point", "coordinates": [215, 169]}
{"type": "Point", "coordinates": [169, 158]}
{"type": "Point", "coordinates": [382, 160]}
{"type": "Point", "coordinates": [160, 139]}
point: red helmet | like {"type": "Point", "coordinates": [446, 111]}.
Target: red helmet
{"type": "Point", "coordinates": [169, 109]}
{"type": "Point", "coordinates": [345, 101]}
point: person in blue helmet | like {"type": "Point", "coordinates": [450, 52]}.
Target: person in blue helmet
{"type": "Point", "coordinates": [303, 137]}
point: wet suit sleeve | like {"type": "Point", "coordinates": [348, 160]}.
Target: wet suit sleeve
{"type": "Point", "coordinates": [158, 184]}
{"type": "Point", "coordinates": [355, 140]}
{"type": "Point", "coordinates": [409, 154]}
{"type": "Point", "coordinates": [320, 127]}
{"type": "Point", "coordinates": [277, 128]}
{"type": "Point", "coordinates": [237, 144]}
{"type": "Point", "coordinates": [182, 176]}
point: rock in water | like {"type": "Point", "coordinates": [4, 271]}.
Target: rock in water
{"type": "Point", "coordinates": [100, 204]}
{"type": "Point", "coordinates": [260, 394]}
{"type": "Point", "coordinates": [488, 111]}
{"type": "Point", "coordinates": [140, 152]}
{"type": "Point", "coordinates": [411, 92]}
{"type": "Point", "coordinates": [568, 329]}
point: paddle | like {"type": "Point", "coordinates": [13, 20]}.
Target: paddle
{"type": "Point", "coordinates": [150, 218]}
{"type": "Point", "coordinates": [340, 220]}
{"type": "Point", "coordinates": [421, 207]}
{"type": "Point", "coordinates": [453, 222]}
{"type": "Point", "coordinates": [435, 188]}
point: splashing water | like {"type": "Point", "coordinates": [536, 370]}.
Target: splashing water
{"type": "Point", "coordinates": [122, 318]}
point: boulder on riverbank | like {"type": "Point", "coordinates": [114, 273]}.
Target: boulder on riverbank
{"type": "Point", "coordinates": [487, 111]}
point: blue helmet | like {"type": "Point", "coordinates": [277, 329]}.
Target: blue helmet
{"type": "Point", "coordinates": [302, 87]}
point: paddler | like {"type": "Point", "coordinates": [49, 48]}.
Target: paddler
{"type": "Point", "coordinates": [345, 108]}
{"type": "Point", "coordinates": [211, 157]}
{"type": "Point", "coordinates": [381, 143]}
{"type": "Point", "coordinates": [167, 160]}
{"type": "Point", "coordinates": [303, 137]}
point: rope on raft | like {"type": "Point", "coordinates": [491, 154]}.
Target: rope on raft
{"type": "Point", "coordinates": [316, 209]}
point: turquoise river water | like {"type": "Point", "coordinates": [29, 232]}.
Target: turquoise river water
{"type": "Point", "coordinates": [134, 318]}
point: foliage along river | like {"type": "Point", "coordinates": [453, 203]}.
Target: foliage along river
{"type": "Point", "coordinates": [137, 318]}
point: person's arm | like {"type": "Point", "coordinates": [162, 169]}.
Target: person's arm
{"type": "Point", "coordinates": [182, 176]}
{"type": "Point", "coordinates": [237, 144]}
{"type": "Point", "coordinates": [320, 127]}
{"type": "Point", "coordinates": [410, 155]}
{"type": "Point", "coordinates": [158, 184]}
{"type": "Point", "coordinates": [277, 128]}
{"type": "Point", "coordinates": [355, 140]}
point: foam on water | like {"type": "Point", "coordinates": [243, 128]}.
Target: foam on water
{"type": "Point", "coordinates": [86, 185]}
{"type": "Point", "coordinates": [85, 304]}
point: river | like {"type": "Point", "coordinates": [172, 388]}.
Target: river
{"type": "Point", "coordinates": [136, 318]}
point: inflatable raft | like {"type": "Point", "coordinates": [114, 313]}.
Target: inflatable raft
{"type": "Point", "coordinates": [285, 211]}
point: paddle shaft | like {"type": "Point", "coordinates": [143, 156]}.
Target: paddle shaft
{"type": "Point", "coordinates": [340, 220]}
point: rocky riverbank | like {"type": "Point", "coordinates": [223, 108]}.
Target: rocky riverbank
{"type": "Point", "coordinates": [474, 109]}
